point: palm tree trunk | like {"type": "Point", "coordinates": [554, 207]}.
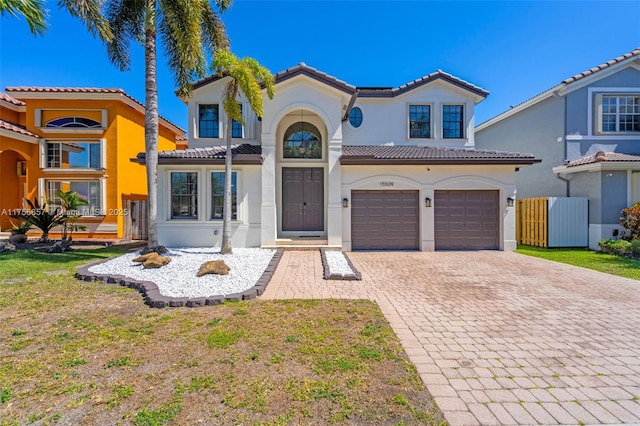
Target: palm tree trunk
{"type": "Point", "coordinates": [227, 213]}
{"type": "Point", "coordinates": [151, 123]}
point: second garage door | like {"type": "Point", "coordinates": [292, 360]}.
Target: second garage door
{"type": "Point", "coordinates": [466, 220]}
{"type": "Point", "coordinates": [384, 220]}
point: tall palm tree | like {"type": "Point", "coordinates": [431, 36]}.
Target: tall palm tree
{"type": "Point", "coordinates": [32, 10]}
{"type": "Point", "coordinates": [190, 30]}
{"type": "Point", "coordinates": [245, 75]}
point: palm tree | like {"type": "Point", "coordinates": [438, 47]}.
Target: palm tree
{"type": "Point", "coordinates": [191, 31]}
{"type": "Point", "coordinates": [32, 10]}
{"type": "Point", "coordinates": [245, 75]}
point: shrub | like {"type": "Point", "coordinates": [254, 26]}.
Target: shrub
{"type": "Point", "coordinates": [620, 247]}
{"type": "Point", "coordinates": [635, 247]}
{"type": "Point", "coordinates": [630, 220]}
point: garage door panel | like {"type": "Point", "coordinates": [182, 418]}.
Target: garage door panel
{"type": "Point", "coordinates": [466, 220]}
{"type": "Point", "coordinates": [384, 220]}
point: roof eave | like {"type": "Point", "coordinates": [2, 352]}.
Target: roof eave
{"type": "Point", "coordinates": [363, 161]}
{"type": "Point", "coordinates": [240, 160]}
{"type": "Point", "coordinates": [598, 166]}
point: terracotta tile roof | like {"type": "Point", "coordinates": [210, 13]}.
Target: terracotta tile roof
{"type": "Point", "coordinates": [385, 92]}
{"type": "Point", "coordinates": [242, 154]}
{"type": "Point", "coordinates": [11, 100]}
{"type": "Point", "coordinates": [7, 125]}
{"type": "Point", "coordinates": [118, 91]}
{"type": "Point", "coordinates": [602, 156]}
{"type": "Point", "coordinates": [600, 67]}
{"type": "Point", "coordinates": [373, 92]}
{"type": "Point", "coordinates": [385, 154]}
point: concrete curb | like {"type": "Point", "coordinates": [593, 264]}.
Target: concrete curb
{"type": "Point", "coordinates": [356, 276]}
{"type": "Point", "coordinates": [153, 298]}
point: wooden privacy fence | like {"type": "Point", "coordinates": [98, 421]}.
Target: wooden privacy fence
{"type": "Point", "coordinates": [553, 222]}
{"type": "Point", "coordinates": [531, 221]}
{"type": "Point", "coordinates": [135, 221]}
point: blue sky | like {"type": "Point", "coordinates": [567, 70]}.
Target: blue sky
{"type": "Point", "coordinates": [513, 49]}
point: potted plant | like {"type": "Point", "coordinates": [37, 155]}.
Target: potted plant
{"type": "Point", "coordinates": [19, 232]}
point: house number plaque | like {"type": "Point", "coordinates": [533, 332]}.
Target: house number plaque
{"type": "Point", "coordinates": [386, 183]}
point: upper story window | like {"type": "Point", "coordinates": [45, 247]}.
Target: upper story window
{"type": "Point", "coordinates": [355, 117]}
{"type": "Point", "coordinates": [419, 121]}
{"type": "Point", "coordinates": [73, 122]}
{"type": "Point", "coordinates": [208, 124]}
{"type": "Point", "coordinates": [302, 140]}
{"type": "Point", "coordinates": [74, 155]}
{"type": "Point", "coordinates": [236, 126]}
{"type": "Point", "coordinates": [620, 114]}
{"type": "Point", "coordinates": [452, 121]}
{"type": "Point", "coordinates": [184, 195]}
{"type": "Point", "coordinates": [217, 195]}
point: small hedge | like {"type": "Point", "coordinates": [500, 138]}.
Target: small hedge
{"type": "Point", "coordinates": [621, 247]}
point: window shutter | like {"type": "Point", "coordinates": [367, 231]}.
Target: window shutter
{"type": "Point", "coordinates": [43, 153]}
{"type": "Point", "coordinates": [103, 194]}
{"type": "Point", "coordinates": [41, 190]}
{"type": "Point", "coordinates": [103, 153]}
{"type": "Point", "coordinates": [598, 113]}
{"type": "Point", "coordinates": [249, 122]}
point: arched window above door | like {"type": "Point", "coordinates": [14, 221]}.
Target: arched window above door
{"type": "Point", "coordinates": [302, 140]}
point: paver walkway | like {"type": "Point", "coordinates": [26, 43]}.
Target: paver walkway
{"type": "Point", "coordinates": [498, 337]}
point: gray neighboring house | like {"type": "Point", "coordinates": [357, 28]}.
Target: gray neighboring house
{"type": "Point", "coordinates": [586, 130]}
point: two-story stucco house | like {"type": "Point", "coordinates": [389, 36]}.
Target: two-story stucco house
{"type": "Point", "coordinates": [341, 166]}
{"type": "Point", "coordinates": [586, 130]}
{"type": "Point", "coordinates": [80, 139]}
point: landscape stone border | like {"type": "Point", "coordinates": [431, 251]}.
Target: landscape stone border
{"type": "Point", "coordinates": [356, 276]}
{"type": "Point", "coordinates": [153, 298]}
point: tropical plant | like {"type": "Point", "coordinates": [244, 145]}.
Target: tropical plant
{"type": "Point", "coordinates": [190, 31]}
{"type": "Point", "coordinates": [630, 220]}
{"type": "Point", "coordinates": [41, 216]}
{"type": "Point", "coordinates": [69, 201]}
{"type": "Point", "coordinates": [21, 228]}
{"type": "Point", "coordinates": [245, 75]}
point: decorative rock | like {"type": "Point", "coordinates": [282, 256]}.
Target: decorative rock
{"type": "Point", "coordinates": [6, 247]}
{"type": "Point", "coordinates": [142, 258]}
{"type": "Point", "coordinates": [156, 262]}
{"type": "Point", "coordinates": [156, 249]}
{"type": "Point", "coordinates": [213, 267]}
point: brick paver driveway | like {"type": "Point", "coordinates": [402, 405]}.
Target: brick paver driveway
{"type": "Point", "coordinates": [498, 337]}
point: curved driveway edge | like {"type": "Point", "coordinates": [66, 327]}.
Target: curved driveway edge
{"type": "Point", "coordinates": [153, 298]}
{"type": "Point", "coordinates": [498, 337]}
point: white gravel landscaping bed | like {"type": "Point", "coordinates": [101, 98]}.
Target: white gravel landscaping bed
{"type": "Point", "coordinates": [178, 278]}
{"type": "Point", "coordinates": [338, 263]}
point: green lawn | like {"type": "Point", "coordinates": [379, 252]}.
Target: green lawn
{"type": "Point", "coordinates": [74, 352]}
{"type": "Point", "coordinates": [609, 263]}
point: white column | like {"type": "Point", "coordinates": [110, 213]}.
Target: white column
{"type": "Point", "coordinates": [334, 208]}
{"type": "Point", "coordinates": [268, 220]}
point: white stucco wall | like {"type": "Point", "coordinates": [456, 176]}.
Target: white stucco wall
{"type": "Point", "coordinates": [386, 120]}
{"type": "Point", "coordinates": [245, 231]}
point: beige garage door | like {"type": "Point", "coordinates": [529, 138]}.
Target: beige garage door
{"type": "Point", "coordinates": [384, 220]}
{"type": "Point", "coordinates": [466, 220]}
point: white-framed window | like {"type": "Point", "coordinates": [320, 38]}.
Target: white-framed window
{"type": "Point", "coordinates": [184, 195]}
{"type": "Point", "coordinates": [74, 155]}
{"type": "Point", "coordinates": [355, 117]}
{"type": "Point", "coordinates": [452, 121]}
{"type": "Point", "coordinates": [419, 121]}
{"type": "Point", "coordinates": [302, 140]}
{"type": "Point", "coordinates": [208, 121]}
{"type": "Point", "coordinates": [236, 127]}
{"type": "Point", "coordinates": [217, 195]}
{"type": "Point", "coordinates": [89, 190]}
{"type": "Point", "coordinates": [619, 113]}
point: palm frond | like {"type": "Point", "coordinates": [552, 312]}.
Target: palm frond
{"type": "Point", "coordinates": [126, 19]}
{"type": "Point", "coordinates": [90, 13]}
{"type": "Point", "coordinates": [181, 34]}
{"type": "Point", "coordinates": [214, 34]}
{"type": "Point", "coordinates": [32, 10]}
{"type": "Point", "coordinates": [229, 102]}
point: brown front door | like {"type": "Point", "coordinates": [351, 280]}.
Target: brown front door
{"type": "Point", "coordinates": [466, 220]}
{"type": "Point", "coordinates": [302, 199]}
